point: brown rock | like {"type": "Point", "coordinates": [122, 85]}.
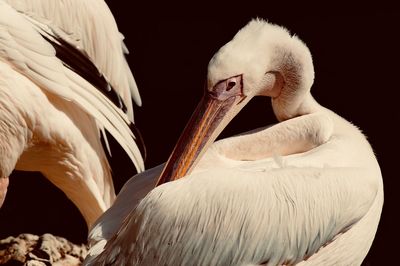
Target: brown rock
{"type": "Point", "coordinates": [45, 250]}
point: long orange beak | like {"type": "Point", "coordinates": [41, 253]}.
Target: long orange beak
{"type": "Point", "coordinates": [217, 107]}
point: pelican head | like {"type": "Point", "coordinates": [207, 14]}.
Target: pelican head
{"type": "Point", "coordinates": [261, 60]}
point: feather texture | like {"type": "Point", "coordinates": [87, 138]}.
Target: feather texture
{"type": "Point", "coordinates": [90, 26]}
{"type": "Point", "coordinates": [34, 56]}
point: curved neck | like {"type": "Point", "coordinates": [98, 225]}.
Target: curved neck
{"type": "Point", "coordinates": [293, 61]}
{"type": "Point", "coordinates": [307, 105]}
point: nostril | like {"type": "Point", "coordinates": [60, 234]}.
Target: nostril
{"type": "Point", "coordinates": [231, 84]}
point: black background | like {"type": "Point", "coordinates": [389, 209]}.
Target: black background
{"type": "Point", "coordinates": [355, 53]}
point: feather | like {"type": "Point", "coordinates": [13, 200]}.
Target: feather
{"type": "Point", "coordinates": [38, 60]}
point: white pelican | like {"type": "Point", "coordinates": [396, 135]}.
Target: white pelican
{"type": "Point", "coordinates": [305, 191]}
{"type": "Point", "coordinates": [63, 81]}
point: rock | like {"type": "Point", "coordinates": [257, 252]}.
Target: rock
{"type": "Point", "coordinates": [45, 250]}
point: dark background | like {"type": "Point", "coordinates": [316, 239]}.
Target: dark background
{"type": "Point", "coordinates": [355, 52]}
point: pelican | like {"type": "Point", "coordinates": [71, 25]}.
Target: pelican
{"type": "Point", "coordinates": [64, 81]}
{"type": "Point", "coordinates": [305, 191]}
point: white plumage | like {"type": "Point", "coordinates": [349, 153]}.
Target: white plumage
{"type": "Point", "coordinates": [55, 58]}
{"type": "Point", "coordinates": [305, 191]}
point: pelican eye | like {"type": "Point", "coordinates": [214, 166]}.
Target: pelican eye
{"type": "Point", "coordinates": [231, 84]}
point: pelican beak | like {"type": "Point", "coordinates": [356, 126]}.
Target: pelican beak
{"type": "Point", "coordinates": [215, 110]}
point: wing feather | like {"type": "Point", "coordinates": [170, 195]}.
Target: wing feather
{"type": "Point", "coordinates": [23, 46]}
{"type": "Point", "coordinates": [221, 217]}
{"type": "Point", "coordinates": [90, 25]}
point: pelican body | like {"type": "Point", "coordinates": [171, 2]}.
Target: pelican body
{"type": "Point", "coordinates": [64, 81]}
{"type": "Point", "coordinates": [305, 191]}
